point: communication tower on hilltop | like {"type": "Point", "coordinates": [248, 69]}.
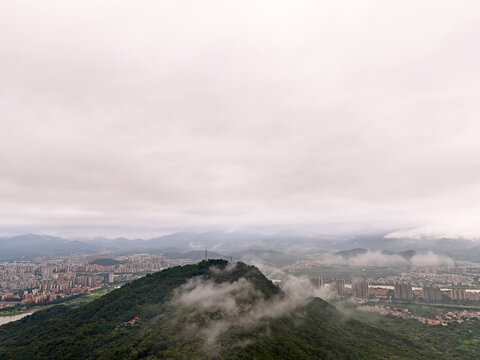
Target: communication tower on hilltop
{"type": "Point", "coordinates": [206, 253]}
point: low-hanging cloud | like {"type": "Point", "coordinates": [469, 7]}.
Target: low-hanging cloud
{"type": "Point", "coordinates": [431, 259]}
{"type": "Point", "coordinates": [233, 301]}
{"type": "Point", "coordinates": [457, 230]}
{"type": "Point", "coordinates": [379, 258]}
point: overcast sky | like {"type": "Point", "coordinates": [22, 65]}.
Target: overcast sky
{"type": "Point", "coordinates": [138, 118]}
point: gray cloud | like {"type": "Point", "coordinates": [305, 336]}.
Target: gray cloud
{"type": "Point", "coordinates": [431, 259]}
{"type": "Point", "coordinates": [378, 258]}
{"type": "Point", "coordinates": [140, 118]}
{"type": "Point", "coordinates": [233, 302]}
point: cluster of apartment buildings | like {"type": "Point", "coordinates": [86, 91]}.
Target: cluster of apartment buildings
{"type": "Point", "coordinates": [359, 288]}
{"type": "Point", "coordinates": [463, 295]}
{"type": "Point", "coordinates": [403, 291]}
{"type": "Point", "coordinates": [41, 281]}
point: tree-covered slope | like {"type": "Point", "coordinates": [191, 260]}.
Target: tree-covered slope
{"type": "Point", "coordinates": [211, 310]}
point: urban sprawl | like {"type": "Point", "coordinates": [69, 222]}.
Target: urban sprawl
{"type": "Point", "coordinates": [46, 281]}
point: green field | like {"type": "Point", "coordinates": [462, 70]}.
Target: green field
{"type": "Point", "coordinates": [86, 298]}
{"type": "Point", "coordinates": [72, 302]}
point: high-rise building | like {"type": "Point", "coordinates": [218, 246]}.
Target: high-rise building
{"type": "Point", "coordinates": [457, 270]}
{"type": "Point", "coordinates": [403, 291]}
{"type": "Point", "coordinates": [317, 281]}
{"type": "Point", "coordinates": [458, 294]}
{"type": "Point", "coordinates": [360, 288]}
{"type": "Point", "coordinates": [431, 293]}
{"type": "Point", "coordinates": [47, 272]}
{"type": "Point", "coordinates": [111, 277]}
{"type": "Point", "coordinates": [338, 286]}
{"type": "Point", "coordinates": [158, 259]}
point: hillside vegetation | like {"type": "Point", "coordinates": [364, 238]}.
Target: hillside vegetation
{"type": "Point", "coordinates": [211, 310]}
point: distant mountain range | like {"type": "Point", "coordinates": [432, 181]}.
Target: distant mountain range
{"type": "Point", "coordinates": [29, 246]}
{"type": "Point", "coordinates": [277, 248]}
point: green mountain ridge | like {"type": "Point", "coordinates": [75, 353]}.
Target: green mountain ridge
{"type": "Point", "coordinates": [211, 310]}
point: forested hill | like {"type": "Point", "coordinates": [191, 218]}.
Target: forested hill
{"type": "Point", "coordinates": [211, 310]}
